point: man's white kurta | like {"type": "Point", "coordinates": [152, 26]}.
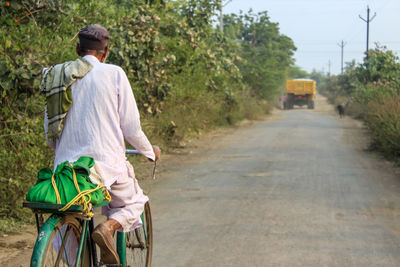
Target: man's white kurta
{"type": "Point", "coordinates": [102, 115]}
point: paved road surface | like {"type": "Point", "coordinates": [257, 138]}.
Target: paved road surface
{"type": "Point", "coordinates": [295, 190]}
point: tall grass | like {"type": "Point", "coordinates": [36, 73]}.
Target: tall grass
{"type": "Point", "coordinates": [382, 116]}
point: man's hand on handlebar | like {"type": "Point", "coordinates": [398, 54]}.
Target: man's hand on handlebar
{"type": "Point", "coordinates": [157, 152]}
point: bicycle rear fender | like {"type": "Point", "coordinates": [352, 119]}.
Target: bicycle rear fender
{"type": "Point", "coordinates": [43, 239]}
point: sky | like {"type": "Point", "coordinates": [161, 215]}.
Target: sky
{"type": "Point", "coordinates": [318, 26]}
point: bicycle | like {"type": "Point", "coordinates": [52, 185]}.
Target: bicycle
{"type": "Point", "coordinates": [64, 239]}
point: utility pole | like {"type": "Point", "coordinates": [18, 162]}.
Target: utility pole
{"type": "Point", "coordinates": [329, 68]}
{"type": "Point", "coordinates": [368, 20]}
{"type": "Point", "coordinates": [342, 45]}
{"type": "Point", "coordinates": [221, 15]}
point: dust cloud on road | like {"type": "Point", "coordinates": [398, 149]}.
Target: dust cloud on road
{"type": "Point", "coordinates": [294, 190]}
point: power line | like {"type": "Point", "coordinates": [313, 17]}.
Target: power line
{"type": "Point", "coordinates": [329, 68]}
{"type": "Point", "coordinates": [368, 20]}
{"type": "Point", "coordinates": [221, 16]}
{"type": "Point", "coordinates": [351, 35]}
{"type": "Point", "coordinates": [334, 51]}
{"type": "Point", "coordinates": [342, 45]}
{"type": "Point", "coordinates": [329, 43]}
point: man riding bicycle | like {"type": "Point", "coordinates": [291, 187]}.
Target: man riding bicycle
{"type": "Point", "coordinates": [93, 119]}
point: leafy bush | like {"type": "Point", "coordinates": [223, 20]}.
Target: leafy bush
{"type": "Point", "coordinates": [34, 34]}
{"type": "Point", "coordinates": [372, 89]}
{"type": "Point", "coordinates": [187, 77]}
{"type": "Point", "coordinates": [383, 119]}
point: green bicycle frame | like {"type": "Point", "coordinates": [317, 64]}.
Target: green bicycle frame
{"type": "Point", "coordinates": [43, 239]}
{"type": "Point", "coordinates": [121, 242]}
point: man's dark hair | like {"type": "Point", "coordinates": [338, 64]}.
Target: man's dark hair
{"type": "Point", "coordinates": [93, 37]}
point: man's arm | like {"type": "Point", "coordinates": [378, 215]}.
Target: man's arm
{"type": "Point", "coordinates": [130, 118]}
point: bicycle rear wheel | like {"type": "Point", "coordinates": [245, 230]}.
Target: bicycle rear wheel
{"type": "Point", "coordinates": [135, 248]}
{"type": "Point", "coordinates": [58, 242]}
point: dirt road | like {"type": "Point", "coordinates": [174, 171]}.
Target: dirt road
{"type": "Point", "coordinates": [294, 190]}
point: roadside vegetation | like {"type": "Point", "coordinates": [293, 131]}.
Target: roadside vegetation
{"type": "Point", "coordinates": [371, 91]}
{"type": "Point", "coordinates": [187, 76]}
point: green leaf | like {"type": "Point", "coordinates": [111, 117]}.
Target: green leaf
{"type": "Point", "coordinates": [7, 43]}
{"type": "Point", "coordinates": [25, 75]}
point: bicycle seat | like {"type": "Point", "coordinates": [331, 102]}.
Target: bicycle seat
{"type": "Point", "coordinates": [54, 208]}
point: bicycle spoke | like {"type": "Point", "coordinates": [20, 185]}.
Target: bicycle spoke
{"type": "Point", "coordinates": [144, 228]}
{"type": "Point", "coordinates": [138, 245]}
{"type": "Point", "coordinates": [62, 248]}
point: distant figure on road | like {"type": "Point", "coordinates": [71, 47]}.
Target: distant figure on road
{"type": "Point", "coordinates": [284, 101]}
{"type": "Point", "coordinates": [340, 109]}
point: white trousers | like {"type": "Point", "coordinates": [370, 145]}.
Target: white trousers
{"type": "Point", "coordinates": [127, 202]}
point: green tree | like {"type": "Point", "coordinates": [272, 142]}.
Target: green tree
{"type": "Point", "coordinates": [266, 53]}
{"type": "Point", "coordinates": [381, 65]}
{"type": "Point", "coordinates": [295, 72]}
{"type": "Point", "coordinates": [187, 77]}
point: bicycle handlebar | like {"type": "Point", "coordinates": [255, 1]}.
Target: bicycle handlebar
{"type": "Point", "coordinates": [136, 152]}
{"type": "Point", "coordinates": [132, 151]}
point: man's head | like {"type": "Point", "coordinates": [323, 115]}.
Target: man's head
{"type": "Point", "coordinates": [93, 40]}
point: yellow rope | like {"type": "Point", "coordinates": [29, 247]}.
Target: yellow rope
{"type": "Point", "coordinates": [80, 198]}
{"type": "Point", "coordinates": [53, 182]}
{"type": "Point", "coordinates": [75, 180]}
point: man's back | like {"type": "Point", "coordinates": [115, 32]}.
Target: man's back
{"type": "Point", "coordinates": [91, 124]}
{"type": "Point", "coordinates": [103, 113]}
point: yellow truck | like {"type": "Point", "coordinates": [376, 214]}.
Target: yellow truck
{"type": "Point", "coordinates": [300, 92]}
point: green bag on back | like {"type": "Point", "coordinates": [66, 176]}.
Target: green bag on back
{"type": "Point", "coordinates": [66, 178]}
